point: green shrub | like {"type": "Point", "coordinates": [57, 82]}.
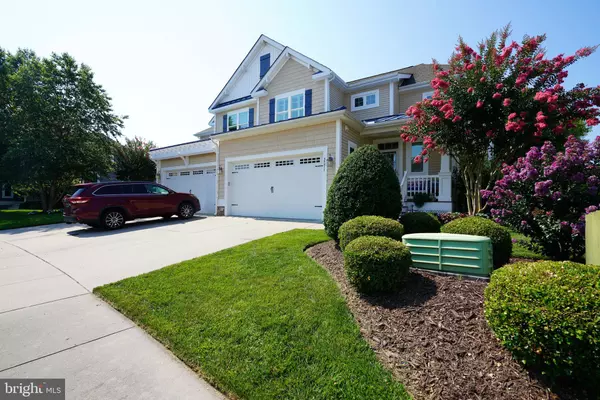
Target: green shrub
{"type": "Point", "coordinates": [546, 313]}
{"type": "Point", "coordinates": [369, 225]}
{"type": "Point", "coordinates": [421, 198]}
{"type": "Point", "coordinates": [376, 264]}
{"type": "Point", "coordinates": [420, 222]}
{"type": "Point", "coordinates": [366, 184]}
{"type": "Point", "coordinates": [500, 236]}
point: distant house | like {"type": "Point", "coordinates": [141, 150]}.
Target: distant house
{"type": "Point", "coordinates": [7, 197]}
{"type": "Point", "coordinates": [282, 126]}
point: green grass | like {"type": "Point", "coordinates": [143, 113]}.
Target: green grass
{"type": "Point", "coordinates": [520, 251]}
{"type": "Point", "coordinates": [10, 219]}
{"type": "Point", "coordinates": [259, 321]}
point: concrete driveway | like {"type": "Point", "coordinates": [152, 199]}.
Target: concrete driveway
{"type": "Point", "coordinates": [52, 326]}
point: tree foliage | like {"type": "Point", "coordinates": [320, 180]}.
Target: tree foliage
{"type": "Point", "coordinates": [495, 103]}
{"type": "Point", "coordinates": [57, 124]}
{"type": "Point", "coordinates": [132, 160]}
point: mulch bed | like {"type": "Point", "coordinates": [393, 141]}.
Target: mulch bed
{"type": "Point", "coordinates": [434, 338]}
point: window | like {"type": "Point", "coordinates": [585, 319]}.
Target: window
{"type": "Point", "coordinates": [184, 173]}
{"type": "Point", "coordinates": [262, 165]}
{"type": "Point", "coordinates": [238, 120]}
{"type": "Point", "coordinates": [392, 157]}
{"type": "Point", "coordinates": [351, 147]}
{"type": "Point", "coordinates": [241, 166]}
{"type": "Point", "coordinates": [199, 172]}
{"type": "Point", "coordinates": [109, 190]}
{"type": "Point", "coordinates": [7, 191]}
{"type": "Point", "coordinates": [284, 163]}
{"type": "Point", "coordinates": [416, 150]}
{"type": "Point", "coordinates": [289, 105]}
{"type": "Point", "coordinates": [427, 95]}
{"type": "Point", "coordinates": [310, 160]}
{"type": "Point", "coordinates": [388, 146]}
{"type": "Point", "coordinates": [363, 101]}
{"type": "Point", "coordinates": [139, 189]}
{"type": "Point", "coordinates": [155, 189]}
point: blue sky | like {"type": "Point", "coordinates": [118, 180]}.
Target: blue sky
{"type": "Point", "coordinates": [164, 62]}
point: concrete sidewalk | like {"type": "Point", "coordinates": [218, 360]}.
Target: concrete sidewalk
{"type": "Point", "coordinates": [52, 326]}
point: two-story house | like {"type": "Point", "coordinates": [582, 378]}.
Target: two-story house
{"type": "Point", "coordinates": [284, 123]}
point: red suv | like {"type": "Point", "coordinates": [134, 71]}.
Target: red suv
{"type": "Point", "coordinates": [110, 204]}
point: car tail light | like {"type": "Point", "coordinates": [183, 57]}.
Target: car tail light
{"type": "Point", "coordinates": [78, 201]}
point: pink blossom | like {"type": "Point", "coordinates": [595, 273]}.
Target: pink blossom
{"type": "Point", "coordinates": [435, 119]}
{"type": "Point", "coordinates": [482, 79]}
{"type": "Point", "coordinates": [417, 159]}
{"type": "Point", "coordinates": [521, 79]}
{"type": "Point", "coordinates": [456, 118]}
{"type": "Point", "coordinates": [479, 104]}
{"type": "Point", "coordinates": [523, 114]}
{"type": "Point", "coordinates": [512, 115]}
{"type": "Point", "coordinates": [539, 56]}
{"type": "Point", "coordinates": [506, 102]}
{"type": "Point", "coordinates": [540, 117]}
{"type": "Point", "coordinates": [489, 133]}
{"type": "Point", "coordinates": [496, 96]}
{"type": "Point", "coordinates": [592, 121]}
{"type": "Point", "coordinates": [584, 52]}
{"type": "Point", "coordinates": [499, 86]}
{"type": "Point", "coordinates": [470, 66]}
{"type": "Point", "coordinates": [483, 67]}
{"type": "Point", "coordinates": [470, 90]}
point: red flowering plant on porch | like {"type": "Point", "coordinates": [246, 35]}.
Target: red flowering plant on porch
{"type": "Point", "coordinates": [547, 194]}
{"type": "Point", "coordinates": [491, 105]}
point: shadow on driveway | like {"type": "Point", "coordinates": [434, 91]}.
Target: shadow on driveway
{"type": "Point", "coordinates": [132, 226]}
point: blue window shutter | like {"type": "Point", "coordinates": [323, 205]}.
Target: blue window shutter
{"type": "Point", "coordinates": [308, 102]}
{"type": "Point", "coordinates": [225, 123]}
{"type": "Point", "coordinates": [265, 63]}
{"type": "Point", "coordinates": [251, 117]}
{"type": "Point", "coordinates": [271, 111]}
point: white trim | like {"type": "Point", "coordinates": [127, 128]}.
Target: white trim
{"type": "Point", "coordinates": [217, 173]}
{"type": "Point", "coordinates": [398, 151]}
{"type": "Point", "coordinates": [338, 144]}
{"type": "Point", "coordinates": [414, 86]}
{"type": "Point", "coordinates": [289, 96]}
{"type": "Point", "coordinates": [365, 106]}
{"type": "Point", "coordinates": [327, 101]}
{"type": "Point", "coordinates": [391, 98]}
{"type": "Point", "coordinates": [257, 113]}
{"type": "Point", "coordinates": [351, 144]}
{"type": "Point", "coordinates": [311, 150]}
{"type": "Point", "coordinates": [234, 106]}
{"type": "Point", "coordinates": [376, 80]}
{"type": "Point", "coordinates": [425, 95]}
{"type": "Point", "coordinates": [189, 166]}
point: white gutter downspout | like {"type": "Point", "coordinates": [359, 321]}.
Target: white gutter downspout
{"type": "Point", "coordinates": [338, 144]}
{"type": "Point", "coordinates": [218, 174]}
{"type": "Point", "coordinates": [327, 102]}
{"type": "Point", "coordinates": [392, 98]}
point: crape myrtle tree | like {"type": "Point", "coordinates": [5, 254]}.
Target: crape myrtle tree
{"type": "Point", "coordinates": [132, 160]}
{"type": "Point", "coordinates": [491, 105]}
{"type": "Point", "coordinates": [57, 124]}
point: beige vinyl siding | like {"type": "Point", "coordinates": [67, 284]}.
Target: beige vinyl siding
{"type": "Point", "coordinates": [293, 76]}
{"type": "Point", "coordinates": [172, 162]}
{"type": "Point", "coordinates": [435, 163]}
{"type": "Point", "coordinates": [219, 122]}
{"type": "Point", "coordinates": [203, 158]}
{"type": "Point", "coordinates": [384, 103]}
{"type": "Point", "coordinates": [409, 98]}
{"type": "Point", "coordinates": [336, 97]}
{"type": "Point", "coordinates": [349, 134]}
{"type": "Point", "coordinates": [293, 139]}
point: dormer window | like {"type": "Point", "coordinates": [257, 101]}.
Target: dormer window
{"type": "Point", "coordinates": [363, 101]}
{"type": "Point", "coordinates": [238, 120]}
{"type": "Point", "coordinates": [289, 105]}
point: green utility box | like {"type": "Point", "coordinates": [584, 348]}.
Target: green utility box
{"type": "Point", "coordinates": [450, 252]}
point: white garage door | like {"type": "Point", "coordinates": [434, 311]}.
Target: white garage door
{"type": "Point", "coordinates": [284, 187]}
{"type": "Point", "coordinates": [198, 181]}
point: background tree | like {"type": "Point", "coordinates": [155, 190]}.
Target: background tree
{"type": "Point", "coordinates": [60, 125]}
{"type": "Point", "coordinates": [492, 105]}
{"type": "Point", "coordinates": [132, 160]}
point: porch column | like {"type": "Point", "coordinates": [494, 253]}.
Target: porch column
{"type": "Point", "coordinates": [445, 179]}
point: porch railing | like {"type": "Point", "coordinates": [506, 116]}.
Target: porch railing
{"type": "Point", "coordinates": [422, 184]}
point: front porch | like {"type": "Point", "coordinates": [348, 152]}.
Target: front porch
{"type": "Point", "coordinates": [432, 178]}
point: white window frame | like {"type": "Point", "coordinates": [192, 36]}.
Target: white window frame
{"type": "Point", "coordinates": [238, 112]}
{"type": "Point", "coordinates": [426, 95]}
{"type": "Point", "coordinates": [289, 96]}
{"type": "Point", "coordinates": [409, 161]}
{"type": "Point", "coordinates": [351, 145]}
{"type": "Point", "coordinates": [364, 95]}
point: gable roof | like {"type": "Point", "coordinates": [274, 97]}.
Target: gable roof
{"type": "Point", "coordinates": [240, 69]}
{"type": "Point", "coordinates": [284, 56]}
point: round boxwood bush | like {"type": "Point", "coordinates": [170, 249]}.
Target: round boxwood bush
{"type": "Point", "coordinates": [479, 226]}
{"type": "Point", "coordinates": [546, 313]}
{"type": "Point", "coordinates": [366, 184]}
{"type": "Point", "coordinates": [420, 222]}
{"type": "Point", "coordinates": [369, 225]}
{"type": "Point", "coordinates": [376, 264]}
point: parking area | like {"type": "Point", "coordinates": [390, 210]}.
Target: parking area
{"type": "Point", "coordinates": [51, 326]}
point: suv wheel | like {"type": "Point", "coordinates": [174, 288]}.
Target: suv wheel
{"type": "Point", "coordinates": [113, 219]}
{"type": "Point", "coordinates": [186, 211]}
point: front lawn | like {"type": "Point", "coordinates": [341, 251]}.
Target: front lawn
{"type": "Point", "coordinates": [520, 251]}
{"type": "Point", "coordinates": [10, 219]}
{"type": "Point", "coordinates": [260, 320]}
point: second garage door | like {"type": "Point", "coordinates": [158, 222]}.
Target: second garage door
{"type": "Point", "coordinates": [199, 181]}
{"type": "Point", "coordinates": [284, 187]}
